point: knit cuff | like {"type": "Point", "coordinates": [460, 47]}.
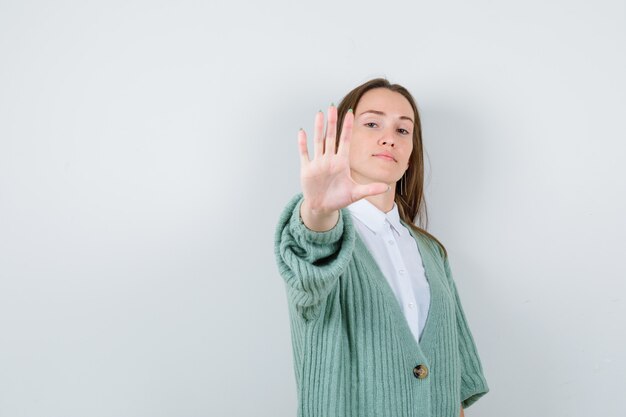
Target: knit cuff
{"type": "Point", "coordinates": [473, 387]}
{"type": "Point", "coordinates": [311, 262]}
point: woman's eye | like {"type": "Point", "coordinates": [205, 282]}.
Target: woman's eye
{"type": "Point", "coordinates": [370, 124]}
{"type": "Point", "coordinates": [403, 131]}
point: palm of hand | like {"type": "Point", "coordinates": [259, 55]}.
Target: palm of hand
{"type": "Point", "coordinates": [327, 184]}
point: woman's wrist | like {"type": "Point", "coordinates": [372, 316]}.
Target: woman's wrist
{"type": "Point", "coordinates": [318, 221]}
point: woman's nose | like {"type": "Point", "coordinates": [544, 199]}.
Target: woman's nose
{"type": "Point", "coordinates": [386, 139]}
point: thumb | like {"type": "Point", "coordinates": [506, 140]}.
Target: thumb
{"type": "Point", "coordinates": [362, 191]}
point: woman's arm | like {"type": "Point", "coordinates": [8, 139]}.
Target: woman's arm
{"type": "Point", "coordinates": [315, 238]}
{"type": "Point", "coordinates": [311, 262]}
{"type": "Point", "coordinates": [473, 382]}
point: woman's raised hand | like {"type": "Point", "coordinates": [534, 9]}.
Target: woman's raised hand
{"type": "Point", "coordinates": [327, 185]}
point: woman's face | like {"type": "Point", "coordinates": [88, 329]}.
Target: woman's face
{"type": "Point", "coordinates": [382, 137]}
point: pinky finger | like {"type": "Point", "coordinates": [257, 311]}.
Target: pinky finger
{"type": "Point", "coordinates": [302, 145]}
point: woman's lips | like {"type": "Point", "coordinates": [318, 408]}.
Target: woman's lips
{"type": "Point", "coordinates": [388, 158]}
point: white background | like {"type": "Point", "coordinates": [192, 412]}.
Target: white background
{"type": "Point", "coordinates": [147, 149]}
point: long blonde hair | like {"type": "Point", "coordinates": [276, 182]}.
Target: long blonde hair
{"type": "Point", "coordinates": [411, 203]}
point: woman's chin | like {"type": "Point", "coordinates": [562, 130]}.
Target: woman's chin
{"type": "Point", "coordinates": [384, 178]}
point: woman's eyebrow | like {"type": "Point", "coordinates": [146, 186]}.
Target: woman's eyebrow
{"type": "Point", "coordinates": [383, 114]}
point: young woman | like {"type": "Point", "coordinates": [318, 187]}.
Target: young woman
{"type": "Point", "coordinates": [377, 324]}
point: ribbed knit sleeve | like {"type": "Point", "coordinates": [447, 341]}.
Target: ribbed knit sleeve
{"type": "Point", "coordinates": [311, 262]}
{"type": "Point", "coordinates": [473, 382]}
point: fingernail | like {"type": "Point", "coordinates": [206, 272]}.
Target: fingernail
{"type": "Point", "coordinates": [301, 129]}
{"type": "Point", "coordinates": [388, 188]}
{"type": "Point", "coordinates": [332, 104]}
{"type": "Point", "coordinates": [349, 110]}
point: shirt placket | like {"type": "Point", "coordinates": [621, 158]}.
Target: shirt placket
{"type": "Point", "coordinates": [401, 277]}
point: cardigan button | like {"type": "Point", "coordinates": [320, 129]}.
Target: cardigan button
{"type": "Point", "coordinates": [420, 371]}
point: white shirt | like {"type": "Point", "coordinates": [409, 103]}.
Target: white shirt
{"type": "Point", "coordinates": [396, 253]}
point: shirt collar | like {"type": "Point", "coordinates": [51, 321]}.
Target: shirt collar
{"type": "Point", "coordinates": [375, 219]}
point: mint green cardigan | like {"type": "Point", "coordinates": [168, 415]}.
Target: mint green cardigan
{"type": "Point", "coordinates": [354, 354]}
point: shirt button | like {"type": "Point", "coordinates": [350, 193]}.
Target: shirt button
{"type": "Point", "coordinates": [420, 371]}
{"type": "Point", "coordinates": [411, 305]}
{"type": "Point", "coordinates": [390, 242]}
{"type": "Point", "coordinates": [401, 272]}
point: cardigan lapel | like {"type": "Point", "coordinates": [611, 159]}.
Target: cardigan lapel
{"type": "Point", "coordinates": [392, 301]}
{"type": "Point", "coordinates": [436, 285]}
{"type": "Point", "coordinates": [440, 296]}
